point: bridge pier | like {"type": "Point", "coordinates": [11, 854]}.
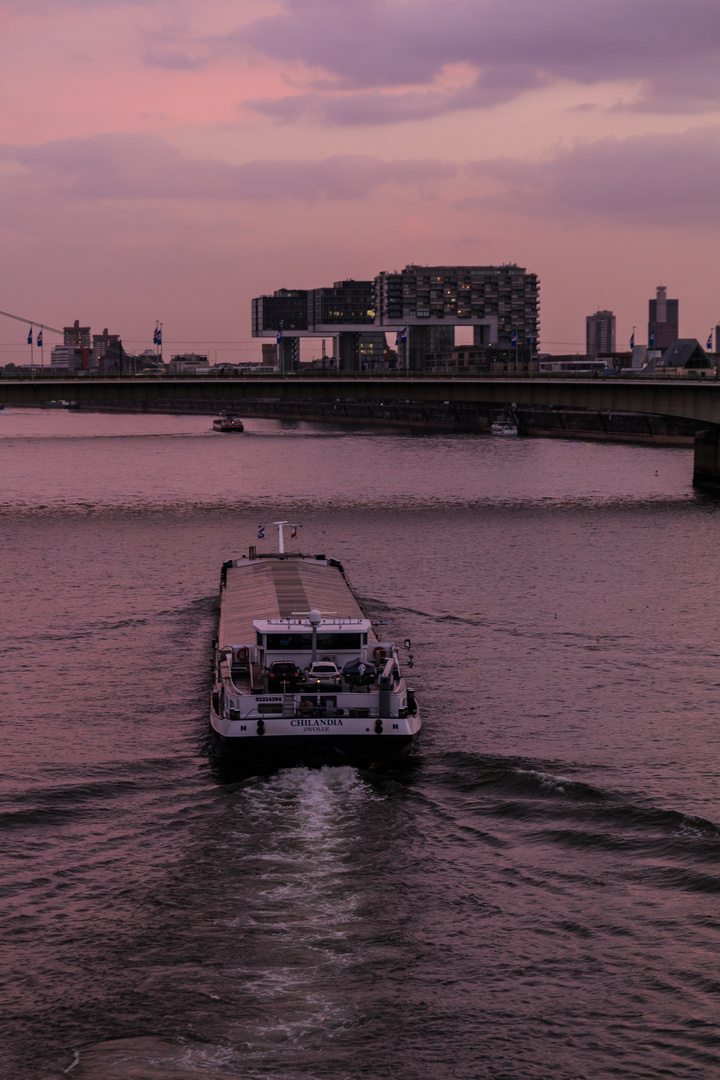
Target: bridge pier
{"type": "Point", "coordinates": [706, 465]}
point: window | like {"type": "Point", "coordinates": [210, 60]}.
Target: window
{"type": "Point", "coordinates": [294, 642]}
{"type": "Point", "coordinates": [288, 642]}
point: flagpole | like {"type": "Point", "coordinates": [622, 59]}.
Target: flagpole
{"type": "Point", "coordinates": [32, 354]}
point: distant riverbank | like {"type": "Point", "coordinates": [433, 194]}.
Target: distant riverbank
{"type": "Point", "coordinates": [591, 424]}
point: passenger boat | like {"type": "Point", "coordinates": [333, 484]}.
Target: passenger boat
{"type": "Point", "coordinates": [228, 422]}
{"type": "Point", "coordinates": [301, 677]}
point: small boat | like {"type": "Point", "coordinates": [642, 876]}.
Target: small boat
{"type": "Point", "coordinates": [297, 685]}
{"type": "Point", "coordinates": [228, 422]}
{"type": "Point", "coordinates": [505, 424]}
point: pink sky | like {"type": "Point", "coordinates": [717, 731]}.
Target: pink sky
{"type": "Point", "coordinates": [170, 159]}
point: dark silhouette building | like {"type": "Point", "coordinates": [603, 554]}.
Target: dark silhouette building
{"type": "Point", "coordinates": [663, 321]}
{"type": "Point", "coordinates": [76, 336]}
{"type": "Point", "coordinates": [421, 305]}
{"type": "Point", "coordinates": [286, 309]}
{"type": "Point", "coordinates": [348, 303]}
{"type": "Point", "coordinates": [600, 333]}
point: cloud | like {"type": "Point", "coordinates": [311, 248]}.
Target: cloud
{"type": "Point", "coordinates": [372, 107]}
{"type": "Point", "coordinates": [137, 166]}
{"type": "Point", "coordinates": [667, 179]}
{"type": "Point", "coordinates": [51, 7]}
{"type": "Point", "coordinates": [654, 179]}
{"type": "Point", "coordinates": [173, 60]}
{"type": "Point", "coordinates": [671, 48]}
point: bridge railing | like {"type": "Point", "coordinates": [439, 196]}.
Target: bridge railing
{"type": "Point", "coordinates": [663, 375]}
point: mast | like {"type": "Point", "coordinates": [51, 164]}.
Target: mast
{"type": "Point", "coordinates": [281, 536]}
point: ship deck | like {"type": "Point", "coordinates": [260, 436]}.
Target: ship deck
{"type": "Point", "coordinates": [277, 589]}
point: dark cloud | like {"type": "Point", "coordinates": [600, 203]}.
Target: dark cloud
{"type": "Point", "coordinates": [650, 179]}
{"type": "Point", "coordinates": [119, 166]}
{"type": "Point", "coordinates": [672, 47]}
{"type": "Point", "coordinates": [372, 107]}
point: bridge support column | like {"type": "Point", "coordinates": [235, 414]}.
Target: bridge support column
{"type": "Point", "coordinates": [706, 466]}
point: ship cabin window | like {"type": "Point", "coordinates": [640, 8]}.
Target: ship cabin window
{"type": "Point", "coordinates": [328, 642]}
{"type": "Point", "coordinates": [259, 638]}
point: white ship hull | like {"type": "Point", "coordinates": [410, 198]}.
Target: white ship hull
{"type": "Point", "coordinates": [304, 740]}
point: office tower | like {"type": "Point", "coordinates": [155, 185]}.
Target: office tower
{"type": "Point", "coordinates": [663, 320]}
{"type": "Point", "coordinates": [600, 333]}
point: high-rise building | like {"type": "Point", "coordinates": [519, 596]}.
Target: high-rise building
{"type": "Point", "coordinates": [600, 333]}
{"type": "Point", "coordinates": [103, 345]}
{"type": "Point", "coordinates": [663, 320]}
{"type": "Point", "coordinates": [76, 336]}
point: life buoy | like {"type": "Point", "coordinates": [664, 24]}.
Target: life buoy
{"type": "Point", "coordinates": [379, 653]}
{"type": "Point", "coordinates": [243, 654]}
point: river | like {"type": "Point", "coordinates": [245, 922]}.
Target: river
{"type": "Point", "coordinates": [535, 894]}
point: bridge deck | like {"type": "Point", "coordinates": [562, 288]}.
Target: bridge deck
{"type": "Point", "coordinates": [694, 399]}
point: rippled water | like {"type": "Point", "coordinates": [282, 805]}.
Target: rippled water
{"type": "Point", "coordinates": [535, 895]}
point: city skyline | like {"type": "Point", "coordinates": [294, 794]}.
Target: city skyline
{"type": "Point", "coordinates": [216, 153]}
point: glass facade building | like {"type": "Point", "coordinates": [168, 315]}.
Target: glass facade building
{"type": "Point", "coordinates": [500, 300]}
{"type": "Point", "coordinates": [286, 308]}
{"type": "Point", "coordinates": [425, 303]}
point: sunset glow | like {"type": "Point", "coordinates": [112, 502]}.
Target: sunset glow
{"type": "Point", "coordinates": [169, 160]}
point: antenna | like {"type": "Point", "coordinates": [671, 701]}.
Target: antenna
{"type": "Point", "coordinates": [314, 617]}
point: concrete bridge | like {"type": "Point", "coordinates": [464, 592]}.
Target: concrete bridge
{"type": "Point", "coordinates": [691, 398]}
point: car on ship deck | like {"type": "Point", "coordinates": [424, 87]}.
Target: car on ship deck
{"type": "Point", "coordinates": [323, 673]}
{"type": "Point", "coordinates": [284, 675]}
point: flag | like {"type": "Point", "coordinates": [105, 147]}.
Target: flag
{"type": "Point", "coordinates": [652, 339]}
{"type": "Point", "coordinates": [709, 342]}
{"type": "Point", "coordinates": [261, 532]}
{"type": "Point", "coordinates": [30, 336]}
{"type": "Point", "coordinates": [632, 340]}
{"type": "Point", "coordinates": [403, 336]}
{"type": "Point", "coordinates": [529, 340]}
{"type": "Point", "coordinates": [157, 336]}
{"type": "Point", "coordinates": [293, 534]}
{"type": "Point", "coordinates": [39, 339]}
{"type": "Point", "coordinates": [513, 340]}
{"type": "Point", "coordinates": [278, 336]}
{"type": "Point", "coordinates": [397, 339]}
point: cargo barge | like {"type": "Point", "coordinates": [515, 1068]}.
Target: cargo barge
{"type": "Point", "coordinates": [301, 676]}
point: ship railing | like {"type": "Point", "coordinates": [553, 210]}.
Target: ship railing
{"type": "Point", "coordinates": [302, 621]}
{"type": "Point", "coordinates": [231, 690]}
